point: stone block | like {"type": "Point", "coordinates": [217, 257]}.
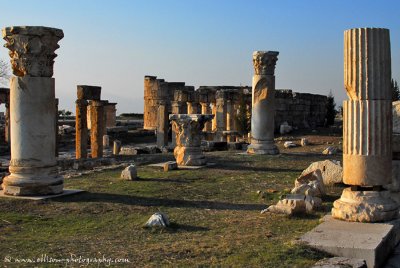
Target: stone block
{"type": "Point", "coordinates": [128, 150]}
{"type": "Point", "coordinates": [332, 171]}
{"type": "Point", "coordinates": [340, 262]}
{"type": "Point", "coordinates": [234, 146]}
{"type": "Point", "coordinates": [210, 146]}
{"type": "Point", "coordinates": [170, 165]}
{"type": "Point", "coordinates": [129, 173]}
{"type": "Point", "coordinates": [291, 205]}
{"type": "Point", "coordinates": [88, 92]}
{"type": "Point", "coordinates": [372, 242]}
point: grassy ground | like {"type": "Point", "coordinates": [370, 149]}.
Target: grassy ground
{"type": "Point", "coordinates": [215, 215]}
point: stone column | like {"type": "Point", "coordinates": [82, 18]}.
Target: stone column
{"type": "Point", "coordinates": [162, 125]}
{"type": "Point", "coordinates": [189, 131]}
{"type": "Point", "coordinates": [81, 129]}
{"type": "Point", "coordinates": [206, 109]}
{"type": "Point", "coordinates": [263, 99]}
{"type": "Point", "coordinates": [56, 128]}
{"type": "Point", "coordinates": [33, 165]}
{"type": "Point", "coordinates": [367, 128]}
{"type": "Point", "coordinates": [214, 120]}
{"type": "Point", "coordinates": [220, 115]}
{"type": "Point", "coordinates": [7, 122]}
{"type": "Point", "coordinates": [96, 131]}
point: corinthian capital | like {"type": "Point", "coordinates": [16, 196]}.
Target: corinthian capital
{"type": "Point", "coordinates": [32, 49]}
{"type": "Point", "coordinates": [264, 62]}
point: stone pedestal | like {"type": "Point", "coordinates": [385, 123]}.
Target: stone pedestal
{"type": "Point", "coordinates": [162, 126]}
{"type": "Point", "coordinates": [96, 131]}
{"type": "Point", "coordinates": [81, 130]}
{"type": "Point", "coordinates": [33, 165]}
{"type": "Point", "coordinates": [367, 128]}
{"type": "Point", "coordinates": [188, 138]}
{"type": "Point", "coordinates": [263, 99]}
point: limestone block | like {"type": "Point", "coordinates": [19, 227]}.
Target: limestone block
{"type": "Point", "coordinates": [189, 156]}
{"type": "Point", "coordinates": [170, 165]}
{"type": "Point", "coordinates": [365, 206]}
{"type": "Point", "coordinates": [128, 150]}
{"type": "Point", "coordinates": [310, 184]}
{"type": "Point", "coordinates": [129, 173]}
{"type": "Point", "coordinates": [290, 205]}
{"type": "Point", "coordinates": [331, 171]}
{"type": "Point", "coordinates": [158, 219]}
{"type": "Point", "coordinates": [313, 203]}
{"type": "Point", "coordinates": [85, 92]}
{"type": "Point", "coordinates": [396, 116]}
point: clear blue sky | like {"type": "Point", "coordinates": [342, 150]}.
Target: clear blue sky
{"type": "Point", "coordinates": [113, 44]}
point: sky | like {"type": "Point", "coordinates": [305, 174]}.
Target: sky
{"type": "Point", "coordinates": [115, 43]}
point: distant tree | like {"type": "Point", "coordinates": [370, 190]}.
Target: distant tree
{"type": "Point", "coordinates": [243, 118]}
{"type": "Point", "coordinates": [395, 91]}
{"type": "Point", "coordinates": [330, 109]}
{"type": "Point", "coordinates": [4, 72]}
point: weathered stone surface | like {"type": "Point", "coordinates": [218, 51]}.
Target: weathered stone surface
{"type": "Point", "coordinates": [310, 184]}
{"type": "Point", "coordinates": [210, 146]}
{"type": "Point", "coordinates": [128, 150]}
{"type": "Point", "coordinates": [32, 49]}
{"type": "Point", "coordinates": [330, 150]}
{"type": "Point", "coordinates": [331, 171]}
{"type": "Point", "coordinates": [85, 92]}
{"type": "Point", "coordinates": [313, 203]}
{"type": "Point", "coordinates": [170, 165]}
{"type": "Point", "coordinates": [158, 219]}
{"type": "Point", "coordinates": [370, 242]}
{"type": "Point", "coordinates": [365, 206]}
{"type": "Point", "coordinates": [162, 125]}
{"type": "Point", "coordinates": [289, 144]}
{"type": "Point", "coordinates": [340, 262]}
{"type": "Point", "coordinates": [33, 167]}
{"type": "Point", "coordinates": [188, 138]}
{"type": "Point", "coordinates": [106, 141]}
{"type": "Point", "coordinates": [263, 103]}
{"type": "Point", "coordinates": [129, 173]}
{"type": "Point", "coordinates": [290, 205]}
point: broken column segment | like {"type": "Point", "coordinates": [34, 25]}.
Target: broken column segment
{"type": "Point", "coordinates": [33, 164]}
{"type": "Point", "coordinates": [188, 138]}
{"type": "Point", "coordinates": [367, 128]}
{"type": "Point", "coordinates": [263, 100]}
{"type": "Point", "coordinates": [162, 125]}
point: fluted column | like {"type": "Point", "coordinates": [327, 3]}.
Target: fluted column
{"type": "Point", "coordinates": [33, 165]}
{"type": "Point", "coordinates": [367, 127]}
{"type": "Point", "coordinates": [263, 99]}
{"type": "Point", "coordinates": [81, 129]}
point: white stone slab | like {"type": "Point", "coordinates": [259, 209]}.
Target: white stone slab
{"type": "Point", "coordinates": [43, 197]}
{"type": "Point", "coordinates": [161, 165]}
{"type": "Point", "coordinates": [372, 242]}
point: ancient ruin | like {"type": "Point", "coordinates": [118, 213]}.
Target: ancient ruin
{"type": "Point", "coordinates": [262, 117]}
{"type": "Point", "coordinates": [367, 128]}
{"type": "Point", "coordinates": [299, 110]}
{"type": "Point", "coordinates": [33, 166]}
{"type": "Point", "coordinates": [188, 138]}
{"type": "Point", "coordinates": [5, 98]}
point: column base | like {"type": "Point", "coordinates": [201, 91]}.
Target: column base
{"type": "Point", "coordinates": [263, 148]}
{"type": "Point", "coordinates": [365, 206]}
{"type": "Point", "coordinates": [33, 182]}
{"type": "Point", "coordinates": [189, 156]}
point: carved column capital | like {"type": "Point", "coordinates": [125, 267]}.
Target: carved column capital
{"type": "Point", "coordinates": [32, 49]}
{"type": "Point", "coordinates": [264, 62]}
